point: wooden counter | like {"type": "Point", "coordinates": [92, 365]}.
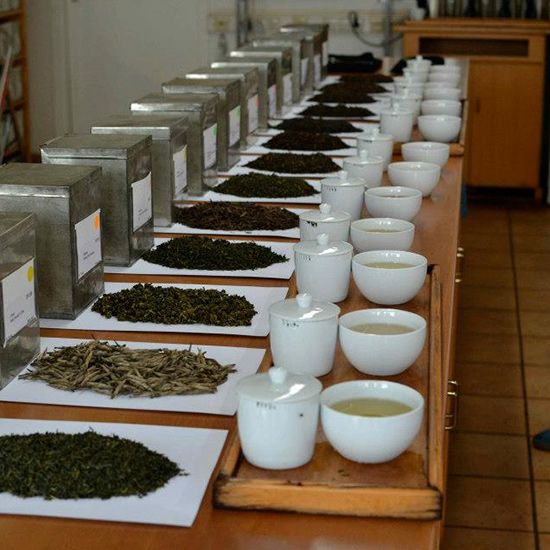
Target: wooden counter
{"type": "Point", "coordinates": [437, 230]}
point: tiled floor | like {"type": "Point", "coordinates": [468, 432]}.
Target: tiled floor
{"type": "Point", "coordinates": [499, 485]}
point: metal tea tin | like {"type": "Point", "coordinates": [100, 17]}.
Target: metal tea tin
{"type": "Point", "coordinates": [168, 156]}
{"type": "Point", "coordinates": [203, 120]}
{"type": "Point", "coordinates": [322, 30]}
{"type": "Point", "coordinates": [229, 97]}
{"type": "Point", "coordinates": [19, 331]}
{"type": "Point", "coordinates": [313, 50]}
{"type": "Point", "coordinates": [66, 203]}
{"type": "Point", "coordinates": [267, 67]}
{"type": "Point", "coordinates": [249, 78]}
{"type": "Point", "coordinates": [126, 190]}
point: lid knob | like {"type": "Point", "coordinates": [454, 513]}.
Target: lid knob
{"type": "Point", "coordinates": [325, 208]}
{"type": "Point", "coordinates": [305, 300]}
{"type": "Point", "coordinates": [322, 239]}
{"type": "Point", "coordinates": [343, 175]}
{"type": "Point", "coordinates": [277, 375]}
{"type": "Point", "coordinates": [418, 58]}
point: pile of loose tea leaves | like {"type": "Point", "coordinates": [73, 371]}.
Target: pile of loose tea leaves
{"type": "Point", "coordinates": [343, 111]}
{"type": "Point", "coordinates": [236, 216]}
{"type": "Point", "coordinates": [265, 186]}
{"type": "Point", "coordinates": [377, 77]}
{"type": "Point", "coordinates": [209, 254]}
{"type": "Point", "coordinates": [343, 96]}
{"type": "Point", "coordinates": [319, 126]}
{"type": "Point", "coordinates": [176, 306]}
{"type": "Point", "coordinates": [114, 369]}
{"type": "Point", "coordinates": [357, 86]}
{"type": "Point", "coordinates": [82, 465]}
{"type": "Point", "coordinates": [305, 141]}
{"type": "Point", "coordinates": [291, 163]}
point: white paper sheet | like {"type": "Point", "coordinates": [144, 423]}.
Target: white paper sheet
{"type": "Point", "coordinates": [180, 229]}
{"type": "Point", "coordinates": [282, 270]}
{"type": "Point", "coordinates": [212, 196]}
{"type": "Point", "coordinates": [259, 149]}
{"type": "Point", "coordinates": [224, 401]}
{"type": "Point", "coordinates": [195, 450]}
{"type": "Point", "coordinates": [261, 298]}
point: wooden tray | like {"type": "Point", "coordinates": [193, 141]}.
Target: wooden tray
{"type": "Point", "coordinates": [408, 487]}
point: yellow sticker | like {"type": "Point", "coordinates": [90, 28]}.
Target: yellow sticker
{"type": "Point", "coordinates": [30, 273]}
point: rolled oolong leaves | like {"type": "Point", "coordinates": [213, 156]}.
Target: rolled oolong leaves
{"type": "Point", "coordinates": [114, 369]}
{"type": "Point", "coordinates": [292, 163]}
{"type": "Point", "coordinates": [354, 86]}
{"type": "Point", "coordinates": [342, 111]}
{"type": "Point", "coordinates": [316, 125]}
{"type": "Point", "coordinates": [235, 216]}
{"type": "Point", "coordinates": [176, 306]}
{"type": "Point", "coordinates": [305, 141]}
{"type": "Point", "coordinates": [343, 96]}
{"type": "Point", "coordinates": [269, 186]}
{"type": "Point", "coordinates": [212, 254]}
{"type": "Point", "coordinates": [82, 465]}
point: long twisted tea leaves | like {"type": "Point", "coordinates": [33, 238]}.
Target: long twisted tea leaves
{"type": "Point", "coordinates": [291, 163]}
{"type": "Point", "coordinates": [354, 86]}
{"type": "Point", "coordinates": [305, 141]}
{"type": "Point", "coordinates": [376, 77]}
{"type": "Point", "coordinates": [83, 465]}
{"type": "Point", "coordinates": [265, 186]}
{"type": "Point", "coordinates": [234, 216]}
{"type": "Point", "coordinates": [212, 254]}
{"type": "Point", "coordinates": [336, 111]}
{"type": "Point", "coordinates": [319, 126]}
{"type": "Point", "coordinates": [114, 369]}
{"type": "Point", "coordinates": [176, 306]}
{"type": "Point", "coordinates": [343, 96]}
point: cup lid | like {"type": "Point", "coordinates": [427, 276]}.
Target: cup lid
{"type": "Point", "coordinates": [342, 180]}
{"type": "Point", "coordinates": [374, 135]}
{"type": "Point", "coordinates": [304, 308]}
{"type": "Point", "coordinates": [364, 158]}
{"type": "Point", "coordinates": [322, 247]}
{"type": "Point", "coordinates": [325, 214]}
{"type": "Point", "coordinates": [278, 385]}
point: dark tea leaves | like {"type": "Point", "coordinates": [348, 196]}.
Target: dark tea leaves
{"type": "Point", "coordinates": [235, 216]}
{"type": "Point", "coordinates": [343, 96]}
{"type": "Point", "coordinates": [342, 111]}
{"type": "Point", "coordinates": [265, 186]}
{"type": "Point", "coordinates": [290, 163]}
{"type": "Point", "coordinates": [176, 306]}
{"type": "Point", "coordinates": [354, 86]}
{"type": "Point", "coordinates": [82, 465]}
{"type": "Point", "coordinates": [305, 141]}
{"type": "Point", "coordinates": [376, 77]}
{"type": "Point", "coordinates": [316, 125]}
{"type": "Point", "coordinates": [210, 254]}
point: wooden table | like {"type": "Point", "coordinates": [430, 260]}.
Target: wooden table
{"type": "Point", "coordinates": [437, 232]}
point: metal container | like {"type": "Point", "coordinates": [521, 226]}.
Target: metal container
{"type": "Point", "coordinates": [168, 156]}
{"type": "Point", "coordinates": [66, 203]}
{"type": "Point", "coordinates": [229, 105]}
{"type": "Point", "coordinates": [267, 67]}
{"type": "Point", "coordinates": [203, 119]}
{"type": "Point", "coordinates": [322, 29]}
{"type": "Point", "coordinates": [283, 58]}
{"type": "Point", "coordinates": [126, 191]}
{"type": "Point", "coordinates": [19, 331]}
{"type": "Point", "coordinates": [296, 46]}
{"type": "Point", "coordinates": [313, 48]}
{"type": "Point", "coordinates": [250, 81]}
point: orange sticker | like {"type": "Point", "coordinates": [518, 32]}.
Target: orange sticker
{"type": "Point", "coordinates": [96, 221]}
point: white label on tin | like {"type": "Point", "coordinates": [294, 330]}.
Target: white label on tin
{"type": "Point", "coordinates": [317, 68]}
{"type": "Point", "coordinates": [18, 300]}
{"type": "Point", "coordinates": [253, 104]}
{"type": "Point", "coordinates": [209, 145]}
{"type": "Point", "coordinates": [88, 243]}
{"type": "Point", "coordinates": [180, 170]}
{"type": "Point", "coordinates": [142, 202]}
{"type": "Point", "coordinates": [303, 71]}
{"type": "Point", "coordinates": [325, 54]}
{"type": "Point", "coordinates": [272, 96]}
{"type": "Point", "coordinates": [234, 125]}
{"type": "Point", "coordinates": [287, 88]}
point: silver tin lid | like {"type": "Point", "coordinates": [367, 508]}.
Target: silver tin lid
{"type": "Point", "coordinates": [12, 224]}
{"type": "Point", "coordinates": [157, 126]}
{"type": "Point", "coordinates": [195, 85]}
{"type": "Point", "coordinates": [175, 102]}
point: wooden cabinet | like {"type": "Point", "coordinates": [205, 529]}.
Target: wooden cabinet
{"type": "Point", "coordinates": [505, 93]}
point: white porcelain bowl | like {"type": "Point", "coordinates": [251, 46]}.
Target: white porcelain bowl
{"type": "Point", "coordinates": [379, 354]}
{"type": "Point", "coordinates": [371, 439]}
{"type": "Point", "coordinates": [419, 64]}
{"type": "Point", "coordinates": [416, 75]}
{"type": "Point", "coordinates": [389, 286]}
{"type": "Point", "coordinates": [441, 107]}
{"type": "Point", "coordinates": [381, 234]}
{"type": "Point", "coordinates": [450, 66]}
{"type": "Point", "coordinates": [402, 203]}
{"type": "Point", "coordinates": [426, 151]}
{"type": "Point", "coordinates": [450, 78]}
{"type": "Point", "coordinates": [441, 128]}
{"type": "Point", "coordinates": [442, 93]}
{"type": "Point", "coordinates": [431, 85]}
{"type": "Point", "coordinates": [413, 88]}
{"type": "Point", "coordinates": [423, 176]}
